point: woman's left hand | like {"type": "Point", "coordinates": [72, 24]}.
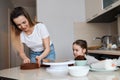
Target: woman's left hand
{"type": "Point", "coordinates": [38, 60]}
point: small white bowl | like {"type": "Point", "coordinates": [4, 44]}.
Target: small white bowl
{"type": "Point", "coordinates": [78, 71]}
{"type": "Point", "coordinates": [57, 72]}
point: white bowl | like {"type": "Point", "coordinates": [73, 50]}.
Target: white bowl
{"type": "Point", "coordinates": [57, 72]}
{"type": "Point", "coordinates": [78, 71]}
{"type": "Point", "coordinates": [80, 62]}
{"type": "Point", "coordinates": [58, 68]}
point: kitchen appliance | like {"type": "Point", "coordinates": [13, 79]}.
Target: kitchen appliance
{"type": "Point", "coordinates": [106, 41]}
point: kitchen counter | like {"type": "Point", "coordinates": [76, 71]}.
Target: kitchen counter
{"type": "Point", "coordinates": [109, 52]}
{"type": "Point", "coordinates": [41, 74]}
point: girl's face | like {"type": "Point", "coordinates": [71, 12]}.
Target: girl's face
{"type": "Point", "coordinates": [22, 23]}
{"type": "Point", "coordinates": [77, 50]}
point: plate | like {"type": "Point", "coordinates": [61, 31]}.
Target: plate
{"type": "Point", "coordinates": [59, 63]}
{"type": "Point", "coordinates": [93, 69]}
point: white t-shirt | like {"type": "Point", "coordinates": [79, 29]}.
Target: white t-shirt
{"type": "Point", "coordinates": [34, 40]}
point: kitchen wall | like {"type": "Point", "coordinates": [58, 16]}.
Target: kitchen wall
{"type": "Point", "coordinates": [59, 17]}
{"type": "Point", "coordinates": [31, 11]}
{"type": "Point", "coordinates": [4, 34]}
{"type": "Point", "coordinates": [8, 54]}
{"type": "Point", "coordinates": [89, 31]}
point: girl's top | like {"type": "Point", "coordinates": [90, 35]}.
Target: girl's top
{"type": "Point", "coordinates": [91, 59]}
{"type": "Point", "coordinates": [34, 40]}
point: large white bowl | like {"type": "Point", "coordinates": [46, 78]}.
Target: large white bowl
{"type": "Point", "coordinates": [78, 71]}
{"type": "Point", "coordinates": [57, 72]}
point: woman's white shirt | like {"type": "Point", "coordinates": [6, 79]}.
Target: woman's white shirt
{"type": "Point", "coordinates": [34, 40]}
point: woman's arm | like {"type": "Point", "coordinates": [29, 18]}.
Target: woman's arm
{"type": "Point", "coordinates": [46, 44]}
{"type": "Point", "coordinates": [22, 54]}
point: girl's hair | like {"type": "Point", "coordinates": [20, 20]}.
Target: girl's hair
{"type": "Point", "coordinates": [18, 11]}
{"type": "Point", "coordinates": [82, 44]}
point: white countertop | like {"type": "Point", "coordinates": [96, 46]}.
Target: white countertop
{"type": "Point", "coordinates": [41, 74]}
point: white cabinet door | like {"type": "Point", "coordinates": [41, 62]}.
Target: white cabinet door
{"type": "Point", "coordinates": [93, 7]}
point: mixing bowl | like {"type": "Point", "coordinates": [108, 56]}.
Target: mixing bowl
{"type": "Point", "coordinates": [78, 71]}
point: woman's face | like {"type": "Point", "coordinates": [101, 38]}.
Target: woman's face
{"type": "Point", "coordinates": [77, 50]}
{"type": "Point", "coordinates": [22, 23]}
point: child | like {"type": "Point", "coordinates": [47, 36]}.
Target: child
{"type": "Point", "coordinates": [80, 49]}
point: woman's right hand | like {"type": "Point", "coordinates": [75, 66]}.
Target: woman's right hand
{"type": "Point", "coordinates": [26, 60]}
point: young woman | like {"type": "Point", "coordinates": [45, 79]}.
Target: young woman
{"type": "Point", "coordinates": [34, 35]}
{"type": "Point", "coordinates": [80, 49]}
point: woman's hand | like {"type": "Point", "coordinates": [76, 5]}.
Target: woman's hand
{"type": "Point", "coordinates": [26, 60]}
{"type": "Point", "coordinates": [38, 60]}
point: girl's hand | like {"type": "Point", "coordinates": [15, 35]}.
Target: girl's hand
{"type": "Point", "coordinates": [26, 60]}
{"type": "Point", "coordinates": [38, 60]}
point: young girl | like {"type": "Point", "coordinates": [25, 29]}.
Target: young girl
{"type": "Point", "coordinates": [80, 49]}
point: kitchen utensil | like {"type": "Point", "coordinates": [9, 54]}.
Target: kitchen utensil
{"type": "Point", "coordinates": [57, 72]}
{"type": "Point", "coordinates": [58, 68]}
{"type": "Point", "coordinates": [78, 71]}
{"type": "Point", "coordinates": [106, 41]}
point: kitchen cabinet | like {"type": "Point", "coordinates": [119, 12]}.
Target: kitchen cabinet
{"type": "Point", "coordinates": [104, 54]}
{"type": "Point", "coordinates": [93, 8]}
{"type": "Point", "coordinates": [107, 3]}
{"type": "Point", "coordinates": [96, 14]}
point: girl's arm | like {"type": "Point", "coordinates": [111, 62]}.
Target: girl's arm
{"type": "Point", "coordinates": [91, 59]}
